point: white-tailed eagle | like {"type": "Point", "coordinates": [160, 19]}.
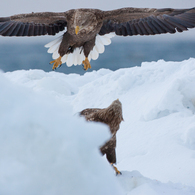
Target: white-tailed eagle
{"type": "Point", "coordinates": [111, 116]}
{"type": "Point", "coordinates": [88, 30]}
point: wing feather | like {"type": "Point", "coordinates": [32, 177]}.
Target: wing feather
{"type": "Point", "coordinates": [138, 29]}
{"type": "Point", "coordinates": [92, 114]}
{"type": "Point", "coordinates": [142, 27]}
{"type": "Point", "coordinates": [20, 31]}
{"type": "Point", "coordinates": [34, 24]}
{"type": "Point", "coordinates": [8, 30]}
{"type": "Point", "coordinates": [147, 27]}
{"type": "Point", "coordinates": [145, 21]}
{"type": "Point", "coordinates": [133, 28]}
{"type": "Point", "coordinates": [31, 30]}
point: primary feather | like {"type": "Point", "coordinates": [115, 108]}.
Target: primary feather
{"type": "Point", "coordinates": [87, 42]}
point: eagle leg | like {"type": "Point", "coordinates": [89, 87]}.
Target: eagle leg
{"type": "Point", "coordinates": [86, 64]}
{"type": "Point", "coordinates": [57, 62]}
{"type": "Point", "coordinates": [116, 170]}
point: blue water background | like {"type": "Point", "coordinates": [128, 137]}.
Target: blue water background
{"type": "Point", "coordinates": [18, 56]}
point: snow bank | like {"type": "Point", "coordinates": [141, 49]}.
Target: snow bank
{"type": "Point", "coordinates": [134, 183]}
{"type": "Point", "coordinates": [44, 149]}
{"type": "Point", "coordinates": [48, 149]}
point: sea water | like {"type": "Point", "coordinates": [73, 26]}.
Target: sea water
{"type": "Point", "coordinates": [117, 55]}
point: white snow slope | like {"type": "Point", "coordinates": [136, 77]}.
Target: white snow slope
{"type": "Point", "coordinates": [47, 149]}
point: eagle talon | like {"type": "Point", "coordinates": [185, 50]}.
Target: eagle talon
{"type": "Point", "coordinates": [56, 63]}
{"type": "Point", "coordinates": [116, 170]}
{"type": "Point", "coordinates": [86, 64]}
{"type": "Point", "coordinates": [118, 173]}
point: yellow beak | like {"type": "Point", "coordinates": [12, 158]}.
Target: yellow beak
{"type": "Point", "coordinates": [77, 29]}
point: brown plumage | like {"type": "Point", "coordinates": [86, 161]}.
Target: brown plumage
{"type": "Point", "coordinates": [83, 25]}
{"type": "Point", "coordinates": [112, 116]}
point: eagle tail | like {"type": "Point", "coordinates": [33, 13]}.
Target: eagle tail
{"type": "Point", "coordinates": [77, 56]}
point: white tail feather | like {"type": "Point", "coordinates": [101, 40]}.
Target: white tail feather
{"type": "Point", "coordinates": [53, 48]}
{"type": "Point", "coordinates": [80, 57]}
{"type": "Point", "coordinates": [69, 61]}
{"type": "Point", "coordinates": [77, 57]}
{"type": "Point", "coordinates": [55, 55]}
{"type": "Point", "coordinates": [76, 53]}
{"type": "Point", "coordinates": [97, 53]}
{"type": "Point", "coordinates": [100, 46]}
{"type": "Point", "coordinates": [64, 58]}
{"type": "Point", "coordinates": [50, 44]}
{"type": "Point", "coordinates": [94, 54]}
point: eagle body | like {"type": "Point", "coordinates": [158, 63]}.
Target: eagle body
{"type": "Point", "coordinates": [87, 31]}
{"type": "Point", "coordinates": [111, 116]}
{"type": "Point", "coordinates": [86, 36]}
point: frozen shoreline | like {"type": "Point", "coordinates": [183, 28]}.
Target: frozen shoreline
{"type": "Point", "coordinates": [48, 149]}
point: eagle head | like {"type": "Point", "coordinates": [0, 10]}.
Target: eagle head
{"type": "Point", "coordinates": [84, 21]}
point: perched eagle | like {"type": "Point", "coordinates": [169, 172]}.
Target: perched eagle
{"type": "Point", "coordinates": [112, 116]}
{"type": "Point", "coordinates": [87, 30]}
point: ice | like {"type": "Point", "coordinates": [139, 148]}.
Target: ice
{"type": "Point", "coordinates": [46, 148]}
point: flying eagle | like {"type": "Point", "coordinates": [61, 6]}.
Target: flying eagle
{"type": "Point", "coordinates": [88, 30]}
{"type": "Point", "coordinates": [112, 116]}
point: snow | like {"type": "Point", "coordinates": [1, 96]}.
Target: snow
{"type": "Point", "coordinates": [46, 148]}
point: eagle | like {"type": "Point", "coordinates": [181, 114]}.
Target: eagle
{"type": "Point", "coordinates": [111, 116]}
{"type": "Point", "coordinates": [88, 30]}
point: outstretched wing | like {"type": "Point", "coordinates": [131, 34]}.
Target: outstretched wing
{"type": "Point", "coordinates": [89, 111]}
{"type": "Point", "coordinates": [93, 114]}
{"type": "Point", "coordinates": [34, 24]}
{"type": "Point", "coordinates": [138, 21]}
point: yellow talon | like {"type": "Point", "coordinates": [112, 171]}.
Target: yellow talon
{"type": "Point", "coordinates": [86, 64]}
{"type": "Point", "coordinates": [116, 170]}
{"type": "Point", "coordinates": [57, 62]}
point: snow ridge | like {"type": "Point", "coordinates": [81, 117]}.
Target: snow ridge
{"type": "Point", "coordinates": [45, 148]}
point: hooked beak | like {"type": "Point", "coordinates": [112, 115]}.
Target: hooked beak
{"type": "Point", "coordinates": [77, 29]}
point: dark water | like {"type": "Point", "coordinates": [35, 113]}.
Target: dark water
{"type": "Point", "coordinates": [117, 55]}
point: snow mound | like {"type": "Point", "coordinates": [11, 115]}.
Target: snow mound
{"type": "Point", "coordinates": [44, 149]}
{"type": "Point", "coordinates": [47, 149]}
{"type": "Point", "coordinates": [134, 183]}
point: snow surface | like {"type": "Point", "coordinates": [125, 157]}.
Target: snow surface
{"type": "Point", "coordinates": [47, 149]}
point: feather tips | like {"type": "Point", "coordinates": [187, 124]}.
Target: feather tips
{"type": "Point", "coordinates": [148, 21]}
{"type": "Point", "coordinates": [77, 57]}
{"type": "Point", "coordinates": [14, 28]}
